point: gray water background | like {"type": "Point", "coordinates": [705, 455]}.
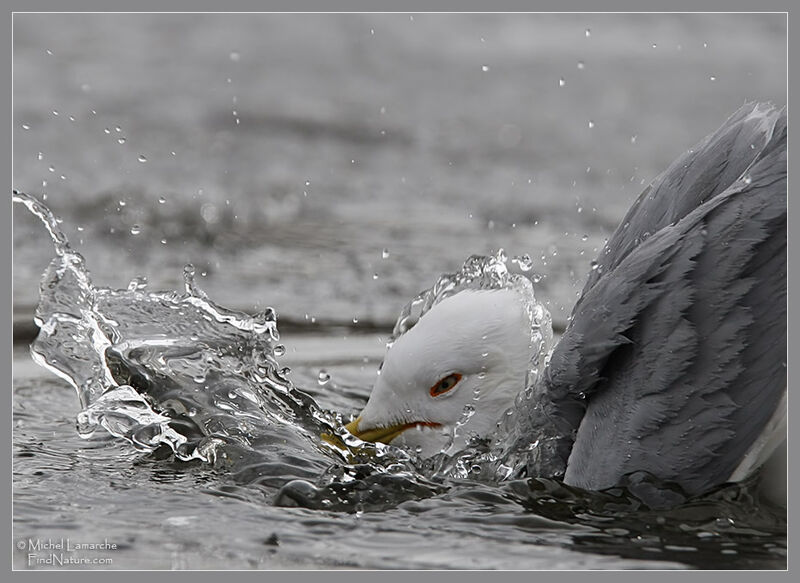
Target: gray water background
{"type": "Point", "coordinates": [294, 158]}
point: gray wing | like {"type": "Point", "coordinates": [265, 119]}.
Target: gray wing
{"type": "Point", "coordinates": [700, 174]}
{"type": "Point", "coordinates": [675, 358]}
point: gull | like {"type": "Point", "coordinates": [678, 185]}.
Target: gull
{"type": "Point", "coordinates": [674, 359]}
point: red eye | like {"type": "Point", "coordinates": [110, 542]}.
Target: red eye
{"type": "Point", "coordinates": [445, 384]}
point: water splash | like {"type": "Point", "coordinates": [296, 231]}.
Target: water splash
{"type": "Point", "coordinates": [144, 363]}
{"type": "Point", "coordinates": [176, 372]}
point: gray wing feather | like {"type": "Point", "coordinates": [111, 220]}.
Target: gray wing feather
{"type": "Point", "coordinates": [674, 360]}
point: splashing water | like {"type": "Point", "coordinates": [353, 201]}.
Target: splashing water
{"type": "Point", "coordinates": [175, 370]}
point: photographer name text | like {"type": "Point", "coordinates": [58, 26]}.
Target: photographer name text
{"type": "Point", "coordinates": [65, 545]}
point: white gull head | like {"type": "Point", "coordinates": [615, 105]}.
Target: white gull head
{"type": "Point", "coordinates": [451, 376]}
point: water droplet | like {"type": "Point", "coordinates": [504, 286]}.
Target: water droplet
{"type": "Point", "coordinates": [210, 213]}
{"type": "Point", "coordinates": [51, 168]}
{"type": "Point", "coordinates": [72, 118]}
{"type": "Point", "coordinates": [55, 112]}
{"type": "Point", "coordinates": [594, 265]}
{"type": "Point", "coordinates": [712, 78]}
{"type": "Point", "coordinates": [385, 253]}
{"type": "Point", "coordinates": [355, 319]}
{"type": "Point", "coordinates": [588, 32]}
{"type": "Point", "coordinates": [235, 56]}
{"type": "Point", "coordinates": [485, 68]}
{"type": "Point", "coordinates": [323, 377]}
{"type": "Point", "coordinates": [374, 276]}
{"type": "Point", "coordinates": [561, 82]}
{"type": "Point", "coordinates": [39, 156]}
{"type": "Point", "coordinates": [118, 129]}
{"type": "Point", "coordinates": [747, 180]}
{"type": "Point", "coordinates": [137, 283]}
{"type": "Point", "coordinates": [524, 261]}
{"type": "Point", "coordinates": [581, 65]}
{"type": "Point", "coordinates": [26, 126]}
{"type": "Point", "coordinates": [135, 230]}
{"type": "Point", "coordinates": [585, 238]}
{"type": "Point", "coordinates": [633, 139]}
{"type": "Point", "coordinates": [279, 350]}
{"type": "Point", "coordinates": [106, 130]}
{"type": "Point", "coordinates": [163, 241]}
{"type": "Point", "coordinates": [655, 45]}
{"type": "Point", "coordinates": [142, 158]}
{"type": "Point", "coordinates": [161, 200]}
{"type": "Point", "coordinates": [591, 124]}
{"type": "Point", "coordinates": [121, 140]}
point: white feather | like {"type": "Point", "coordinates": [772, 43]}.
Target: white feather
{"type": "Point", "coordinates": [483, 335]}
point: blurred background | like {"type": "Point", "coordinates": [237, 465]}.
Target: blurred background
{"type": "Point", "coordinates": [332, 166]}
